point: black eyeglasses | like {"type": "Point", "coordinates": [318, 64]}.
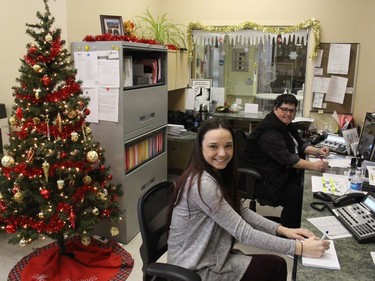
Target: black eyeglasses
{"type": "Point", "coordinates": [286, 110]}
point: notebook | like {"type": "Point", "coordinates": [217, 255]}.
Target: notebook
{"type": "Point", "coordinates": [329, 259]}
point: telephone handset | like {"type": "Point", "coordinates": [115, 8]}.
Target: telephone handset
{"type": "Point", "coordinates": [318, 138]}
{"type": "Point", "coordinates": [348, 199]}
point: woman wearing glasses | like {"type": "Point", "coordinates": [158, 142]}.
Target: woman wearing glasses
{"type": "Point", "coordinates": [276, 149]}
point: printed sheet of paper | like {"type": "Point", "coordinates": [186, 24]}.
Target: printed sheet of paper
{"type": "Point", "coordinates": [335, 229]}
{"type": "Point", "coordinates": [338, 60]}
{"type": "Point", "coordinates": [336, 89]}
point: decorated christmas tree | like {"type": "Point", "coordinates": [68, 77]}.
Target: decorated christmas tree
{"type": "Point", "coordinates": [53, 178]}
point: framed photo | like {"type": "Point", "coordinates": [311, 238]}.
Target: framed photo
{"type": "Point", "coordinates": [112, 25]}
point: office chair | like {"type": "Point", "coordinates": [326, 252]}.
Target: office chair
{"type": "Point", "coordinates": [250, 178]}
{"type": "Point", "coordinates": [152, 216]}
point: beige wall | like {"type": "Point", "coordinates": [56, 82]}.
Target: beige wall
{"type": "Point", "coordinates": [342, 21]}
{"type": "Point", "coordinates": [14, 16]}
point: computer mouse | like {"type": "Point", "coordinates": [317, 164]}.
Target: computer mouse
{"type": "Point", "coordinates": [322, 196]}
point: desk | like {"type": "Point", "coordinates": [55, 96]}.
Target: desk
{"type": "Point", "coordinates": [355, 259]}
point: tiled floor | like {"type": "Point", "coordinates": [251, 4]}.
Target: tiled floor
{"type": "Point", "coordinates": [11, 254]}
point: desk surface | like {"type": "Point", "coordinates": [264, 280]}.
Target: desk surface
{"type": "Point", "coordinates": [355, 259]}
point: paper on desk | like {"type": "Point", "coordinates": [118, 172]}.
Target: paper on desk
{"type": "Point", "coordinates": [371, 174]}
{"type": "Point", "coordinates": [329, 259]}
{"type": "Point", "coordinates": [331, 224]}
{"type": "Point", "coordinates": [330, 183]}
{"type": "Point", "coordinates": [334, 161]}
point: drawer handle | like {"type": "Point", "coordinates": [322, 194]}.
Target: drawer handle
{"type": "Point", "coordinates": [147, 117]}
{"type": "Point", "coordinates": [147, 184]}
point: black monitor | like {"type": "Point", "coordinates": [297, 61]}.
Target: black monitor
{"type": "Point", "coordinates": [365, 147]}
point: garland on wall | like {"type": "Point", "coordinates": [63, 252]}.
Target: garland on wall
{"type": "Point", "coordinates": [267, 30]}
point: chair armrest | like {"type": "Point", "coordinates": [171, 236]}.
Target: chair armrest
{"type": "Point", "coordinates": [251, 172]}
{"type": "Point", "coordinates": [173, 272]}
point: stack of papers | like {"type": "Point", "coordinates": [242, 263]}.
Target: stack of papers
{"type": "Point", "coordinates": [175, 130]}
{"type": "Point", "coordinates": [329, 260]}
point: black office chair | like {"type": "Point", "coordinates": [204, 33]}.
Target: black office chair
{"type": "Point", "coordinates": [250, 178]}
{"type": "Point", "coordinates": [152, 217]}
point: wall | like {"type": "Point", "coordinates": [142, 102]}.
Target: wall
{"type": "Point", "coordinates": [342, 21]}
{"type": "Point", "coordinates": [15, 14]}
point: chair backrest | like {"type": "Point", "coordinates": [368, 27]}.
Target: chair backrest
{"type": "Point", "coordinates": [240, 141]}
{"type": "Point", "coordinates": [153, 208]}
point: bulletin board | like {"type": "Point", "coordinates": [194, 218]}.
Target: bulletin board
{"type": "Point", "coordinates": [347, 106]}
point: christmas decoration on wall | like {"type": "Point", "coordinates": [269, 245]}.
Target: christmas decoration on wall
{"type": "Point", "coordinates": [53, 177]}
{"type": "Point", "coordinates": [253, 33]}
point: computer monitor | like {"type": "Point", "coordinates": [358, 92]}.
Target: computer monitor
{"type": "Point", "coordinates": [365, 147]}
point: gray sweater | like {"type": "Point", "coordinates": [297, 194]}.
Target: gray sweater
{"type": "Point", "coordinates": [201, 231]}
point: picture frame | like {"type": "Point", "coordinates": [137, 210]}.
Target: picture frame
{"type": "Point", "coordinates": [112, 25]}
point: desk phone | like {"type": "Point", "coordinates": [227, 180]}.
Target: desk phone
{"type": "Point", "coordinates": [359, 218]}
{"type": "Point", "coordinates": [334, 143]}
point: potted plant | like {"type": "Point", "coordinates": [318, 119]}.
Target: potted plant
{"type": "Point", "coordinates": [161, 29]}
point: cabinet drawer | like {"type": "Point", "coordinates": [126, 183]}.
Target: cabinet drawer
{"type": "Point", "coordinates": [141, 179]}
{"type": "Point", "coordinates": [144, 110]}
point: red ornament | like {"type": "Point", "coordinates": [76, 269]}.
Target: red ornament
{"type": "Point", "coordinates": [45, 193]}
{"type": "Point", "coordinates": [33, 49]}
{"type": "Point", "coordinates": [10, 228]}
{"type": "Point", "coordinates": [19, 113]}
{"type": "Point", "coordinates": [110, 177]}
{"type": "Point", "coordinates": [46, 80]}
{"type": "Point", "coordinates": [72, 218]}
{"type": "Point", "coordinates": [87, 111]}
{"type": "Point", "coordinates": [63, 155]}
{"type": "Point", "coordinates": [102, 168]}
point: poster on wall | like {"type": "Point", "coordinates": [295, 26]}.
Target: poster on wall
{"type": "Point", "coordinates": [202, 91]}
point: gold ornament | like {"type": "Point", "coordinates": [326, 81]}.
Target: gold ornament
{"type": "Point", "coordinates": [18, 197]}
{"type": "Point", "coordinates": [60, 184]}
{"type": "Point", "coordinates": [48, 37]}
{"type": "Point", "coordinates": [72, 114]}
{"type": "Point", "coordinates": [88, 131]}
{"type": "Point", "coordinates": [37, 93]}
{"type": "Point", "coordinates": [114, 231]}
{"type": "Point", "coordinates": [102, 195]}
{"type": "Point", "coordinates": [86, 240]}
{"type": "Point", "coordinates": [74, 136]}
{"type": "Point", "coordinates": [95, 211]}
{"type": "Point", "coordinates": [7, 161]}
{"type": "Point", "coordinates": [23, 242]}
{"type": "Point", "coordinates": [45, 167]}
{"type": "Point", "coordinates": [12, 121]}
{"type": "Point", "coordinates": [59, 122]}
{"type": "Point", "coordinates": [92, 156]}
{"type": "Point", "coordinates": [87, 180]}
{"type": "Point", "coordinates": [72, 182]}
{"type": "Point", "coordinates": [37, 67]}
{"type": "Point", "coordinates": [41, 215]}
{"type": "Point", "coordinates": [36, 120]}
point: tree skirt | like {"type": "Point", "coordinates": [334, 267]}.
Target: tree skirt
{"type": "Point", "coordinates": [97, 261]}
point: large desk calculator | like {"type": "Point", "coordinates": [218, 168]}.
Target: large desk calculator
{"type": "Point", "coordinates": [359, 218]}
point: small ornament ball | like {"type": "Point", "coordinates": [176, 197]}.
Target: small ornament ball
{"type": "Point", "coordinates": [86, 240]}
{"type": "Point", "coordinates": [7, 161]}
{"type": "Point", "coordinates": [114, 231]}
{"type": "Point", "coordinates": [92, 156]}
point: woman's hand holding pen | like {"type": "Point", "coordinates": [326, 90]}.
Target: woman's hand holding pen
{"type": "Point", "coordinates": [320, 166]}
{"type": "Point", "coordinates": [312, 247]}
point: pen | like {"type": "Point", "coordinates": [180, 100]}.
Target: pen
{"type": "Point", "coordinates": [324, 235]}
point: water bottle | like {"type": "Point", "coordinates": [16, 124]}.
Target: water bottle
{"type": "Point", "coordinates": [356, 182]}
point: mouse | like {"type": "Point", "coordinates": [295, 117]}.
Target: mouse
{"type": "Point", "coordinates": [322, 196]}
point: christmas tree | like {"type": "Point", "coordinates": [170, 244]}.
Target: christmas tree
{"type": "Point", "coordinates": [53, 178]}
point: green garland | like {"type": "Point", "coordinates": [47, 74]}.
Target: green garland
{"type": "Point", "coordinates": [311, 23]}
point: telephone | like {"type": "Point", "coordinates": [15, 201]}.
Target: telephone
{"type": "Point", "coordinates": [356, 212]}
{"type": "Point", "coordinates": [318, 138]}
{"type": "Point", "coordinates": [348, 199]}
